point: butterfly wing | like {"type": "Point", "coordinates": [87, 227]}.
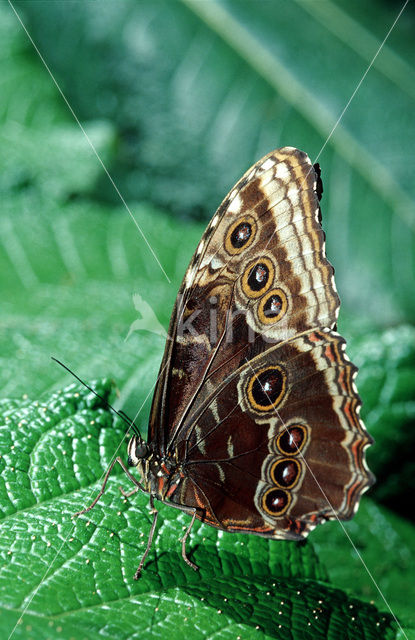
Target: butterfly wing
{"type": "Point", "coordinates": [279, 446]}
{"type": "Point", "coordinates": [258, 276]}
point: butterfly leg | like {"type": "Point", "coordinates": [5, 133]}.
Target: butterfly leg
{"type": "Point", "coordinates": [150, 539]}
{"type": "Point", "coordinates": [192, 511]}
{"type": "Point", "coordinates": [186, 535]}
{"type": "Point", "coordinates": [128, 494]}
{"type": "Point", "coordinates": [124, 468]}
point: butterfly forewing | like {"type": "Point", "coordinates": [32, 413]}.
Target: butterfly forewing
{"type": "Point", "coordinates": [258, 275]}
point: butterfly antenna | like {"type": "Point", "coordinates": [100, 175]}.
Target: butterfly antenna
{"type": "Point", "coordinates": [121, 414]}
{"type": "Point", "coordinates": [131, 423]}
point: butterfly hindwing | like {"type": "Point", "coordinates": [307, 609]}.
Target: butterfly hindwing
{"type": "Point", "coordinates": [279, 446]}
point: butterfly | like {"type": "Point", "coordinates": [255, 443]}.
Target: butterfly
{"type": "Point", "coordinates": [255, 426]}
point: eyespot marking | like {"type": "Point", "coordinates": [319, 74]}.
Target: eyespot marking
{"type": "Point", "coordinates": [266, 388]}
{"type": "Point", "coordinates": [291, 440]}
{"type": "Point", "coordinates": [285, 473]}
{"type": "Point", "coordinates": [272, 307]}
{"type": "Point", "coordinates": [258, 277]}
{"type": "Point", "coordinates": [240, 235]}
{"type": "Point", "coordinates": [276, 501]}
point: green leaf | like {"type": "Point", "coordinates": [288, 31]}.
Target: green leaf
{"type": "Point", "coordinates": [80, 575]}
{"type": "Point", "coordinates": [200, 90]}
{"type": "Point", "coordinates": [385, 542]}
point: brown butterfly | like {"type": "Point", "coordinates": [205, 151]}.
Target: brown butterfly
{"type": "Point", "coordinates": [255, 425]}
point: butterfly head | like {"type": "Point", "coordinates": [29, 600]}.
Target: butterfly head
{"type": "Point", "coordinates": [138, 450]}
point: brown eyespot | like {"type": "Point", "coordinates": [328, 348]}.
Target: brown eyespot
{"type": "Point", "coordinates": [276, 501]}
{"type": "Point", "coordinates": [292, 439]}
{"type": "Point", "coordinates": [258, 277]}
{"type": "Point", "coordinates": [285, 473]}
{"type": "Point", "coordinates": [266, 388]}
{"type": "Point", "coordinates": [240, 235]}
{"type": "Point", "coordinates": [272, 307]}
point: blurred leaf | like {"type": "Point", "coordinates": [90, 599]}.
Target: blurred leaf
{"type": "Point", "coordinates": [28, 96]}
{"type": "Point", "coordinates": [39, 150]}
{"type": "Point", "coordinates": [387, 385]}
{"type": "Point", "coordinates": [200, 90]}
{"type": "Point", "coordinates": [68, 168]}
{"type": "Point", "coordinates": [80, 576]}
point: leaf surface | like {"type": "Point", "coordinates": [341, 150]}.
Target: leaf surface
{"type": "Point", "coordinates": [79, 575]}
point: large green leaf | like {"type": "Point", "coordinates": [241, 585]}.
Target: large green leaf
{"type": "Point", "coordinates": [80, 575]}
{"type": "Point", "coordinates": [200, 90]}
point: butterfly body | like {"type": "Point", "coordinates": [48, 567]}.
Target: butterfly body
{"type": "Point", "coordinates": [255, 423]}
{"type": "Point", "coordinates": [160, 476]}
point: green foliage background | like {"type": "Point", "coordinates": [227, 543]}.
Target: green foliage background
{"type": "Point", "coordinates": [179, 98]}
